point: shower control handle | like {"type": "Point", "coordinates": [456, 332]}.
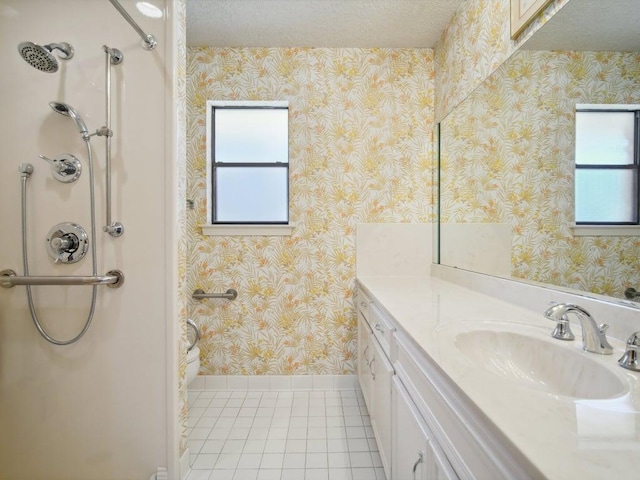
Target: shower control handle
{"type": "Point", "coordinates": [66, 169]}
{"type": "Point", "coordinates": [67, 243]}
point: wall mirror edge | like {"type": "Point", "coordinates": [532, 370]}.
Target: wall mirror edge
{"type": "Point", "coordinates": [535, 42]}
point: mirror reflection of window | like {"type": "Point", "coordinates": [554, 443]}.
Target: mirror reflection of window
{"type": "Point", "coordinates": [607, 164]}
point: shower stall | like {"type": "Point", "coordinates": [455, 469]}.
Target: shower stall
{"type": "Point", "coordinates": [100, 182]}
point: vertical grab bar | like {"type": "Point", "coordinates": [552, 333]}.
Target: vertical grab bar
{"type": "Point", "coordinates": [113, 56]}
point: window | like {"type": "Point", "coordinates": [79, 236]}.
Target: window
{"type": "Point", "coordinates": [248, 163]}
{"type": "Point", "coordinates": [607, 165]}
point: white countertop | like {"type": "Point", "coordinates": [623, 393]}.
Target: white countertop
{"type": "Point", "coordinates": [563, 436]}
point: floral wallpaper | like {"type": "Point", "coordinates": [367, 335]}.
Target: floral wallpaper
{"type": "Point", "coordinates": [508, 149]}
{"type": "Point", "coordinates": [360, 151]}
{"type": "Point", "coordinates": [474, 44]}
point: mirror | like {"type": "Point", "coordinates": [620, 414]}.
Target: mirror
{"type": "Point", "coordinates": [507, 156]}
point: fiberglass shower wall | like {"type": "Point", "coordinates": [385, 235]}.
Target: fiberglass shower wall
{"type": "Point", "coordinates": [96, 409]}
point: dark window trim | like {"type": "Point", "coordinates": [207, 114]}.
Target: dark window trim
{"type": "Point", "coordinates": [633, 166]}
{"type": "Point", "coordinates": [215, 165]}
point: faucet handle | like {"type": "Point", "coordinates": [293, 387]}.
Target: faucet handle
{"type": "Point", "coordinates": [631, 358]}
{"type": "Point", "coordinates": [563, 329]}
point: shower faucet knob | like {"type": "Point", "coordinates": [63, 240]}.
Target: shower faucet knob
{"type": "Point", "coordinates": [67, 243]}
{"type": "Point", "coordinates": [66, 169]}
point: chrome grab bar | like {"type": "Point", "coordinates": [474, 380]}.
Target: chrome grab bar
{"type": "Point", "coordinates": [149, 41]}
{"type": "Point", "coordinates": [631, 293]}
{"type": "Point", "coordinates": [200, 294]}
{"type": "Point", "coordinates": [113, 279]}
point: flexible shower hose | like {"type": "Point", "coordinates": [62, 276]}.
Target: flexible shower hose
{"type": "Point", "coordinates": [25, 260]}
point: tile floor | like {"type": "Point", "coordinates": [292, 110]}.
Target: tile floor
{"type": "Point", "coordinates": [295, 435]}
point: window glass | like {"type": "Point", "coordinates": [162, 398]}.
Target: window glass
{"type": "Point", "coordinates": [605, 196]}
{"type": "Point", "coordinates": [604, 138]}
{"type": "Point", "coordinates": [251, 135]}
{"type": "Point", "coordinates": [251, 194]}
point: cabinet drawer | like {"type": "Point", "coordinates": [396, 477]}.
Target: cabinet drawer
{"type": "Point", "coordinates": [382, 328]}
{"type": "Point", "coordinates": [362, 303]}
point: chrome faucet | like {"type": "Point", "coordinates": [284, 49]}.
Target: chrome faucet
{"type": "Point", "coordinates": [631, 358]}
{"type": "Point", "coordinates": [593, 336]}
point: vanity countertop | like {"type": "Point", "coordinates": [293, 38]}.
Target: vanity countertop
{"type": "Point", "coordinates": [565, 437]}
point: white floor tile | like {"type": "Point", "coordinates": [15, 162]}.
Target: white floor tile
{"type": "Point", "coordinates": [275, 446]}
{"type": "Point", "coordinates": [233, 446]}
{"type": "Point", "coordinates": [293, 474]}
{"type": "Point", "coordinates": [337, 445]}
{"type": "Point", "coordinates": [205, 461]}
{"type": "Point", "coordinates": [294, 460]}
{"type": "Point", "coordinates": [254, 446]}
{"type": "Point", "coordinates": [358, 445]}
{"type": "Point", "coordinates": [363, 473]}
{"type": "Point", "coordinates": [340, 474]}
{"type": "Point", "coordinates": [212, 446]}
{"type": "Point", "coordinates": [272, 460]}
{"type": "Point", "coordinates": [316, 446]}
{"type": "Point", "coordinates": [246, 474]}
{"type": "Point", "coordinates": [250, 461]}
{"type": "Point", "coordinates": [316, 460]}
{"type": "Point", "coordinates": [227, 461]}
{"type": "Point", "coordinates": [296, 446]}
{"type": "Point", "coordinates": [271, 474]}
{"type": "Point", "coordinates": [339, 460]}
{"type": "Point", "coordinates": [222, 474]}
{"type": "Point", "coordinates": [360, 460]}
{"type": "Point", "coordinates": [199, 475]}
{"type": "Point", "coordinates": [316, 474]}
{"type": "Point", "coordinates": [287, 435]}
{"type": "Point", "coordinates": [200, 433]}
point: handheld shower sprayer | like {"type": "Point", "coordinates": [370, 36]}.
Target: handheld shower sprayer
{"type": "Point", "coordinates": [42, 58]}
{"type": "Point", "coordinates": [69, 111]}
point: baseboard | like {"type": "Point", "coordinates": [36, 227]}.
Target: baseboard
{"type": "Point", "coordinates": [185, 466]}
{"type": "Point", "coordinates": [274, 382]}
{"type": "Point", "coordinates": [161, 474]}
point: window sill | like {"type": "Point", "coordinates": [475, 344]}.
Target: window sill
{"type": "Point", "coordinates": [606, 230]}
{"type": "Point", "coordinates": [236, 230]}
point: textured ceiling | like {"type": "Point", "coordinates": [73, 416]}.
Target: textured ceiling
{"type": "Point", "coordinates": [591, 25]}
{"type": "Point", "coordinates": [318, 23]}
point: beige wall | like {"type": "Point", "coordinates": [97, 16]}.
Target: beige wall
{"type": "Point", "coordinates": [96, 409]}
{"type": "Point", "coordinates": [360, 151]}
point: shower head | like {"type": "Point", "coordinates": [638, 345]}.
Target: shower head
{"type": "Point", "coordinates": [69, 111]}
{"type": "Point", "coordinates": [42, 58]}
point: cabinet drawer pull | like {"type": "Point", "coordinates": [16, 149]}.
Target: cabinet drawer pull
{"type": "Point", "coordinates": [366, 359]}
{"type": "Point", "coordinates": [418, 462]}
{"type": "Point", "coordinates": [363, 304]}
{"type": "Point", "coordinates": [373, 374]}
{"type": "Point", "coordinates": [379, 328]}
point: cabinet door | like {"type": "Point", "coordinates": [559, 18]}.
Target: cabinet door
{"type": "Point", "coordinates": [414, 455]}
{"type": "Point", "coordinates": [364, 359]}
{"type": "Point", "coordinates": [382, 372]}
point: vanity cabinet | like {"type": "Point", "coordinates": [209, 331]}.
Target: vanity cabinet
{"type": "Point", "coordinates": [365, 376]}
{"type": "Point", "coordinates": [416, 456]}
{"type": "Point", "coordinates": [375, 373]}
{"type": "Point", "coordinates": [425, 426]}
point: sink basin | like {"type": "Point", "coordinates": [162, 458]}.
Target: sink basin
{"type": "Point", "coordinates": [554, 368]}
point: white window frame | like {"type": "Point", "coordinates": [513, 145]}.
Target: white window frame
{"type": "Point", "coordinates": [236, 229]}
